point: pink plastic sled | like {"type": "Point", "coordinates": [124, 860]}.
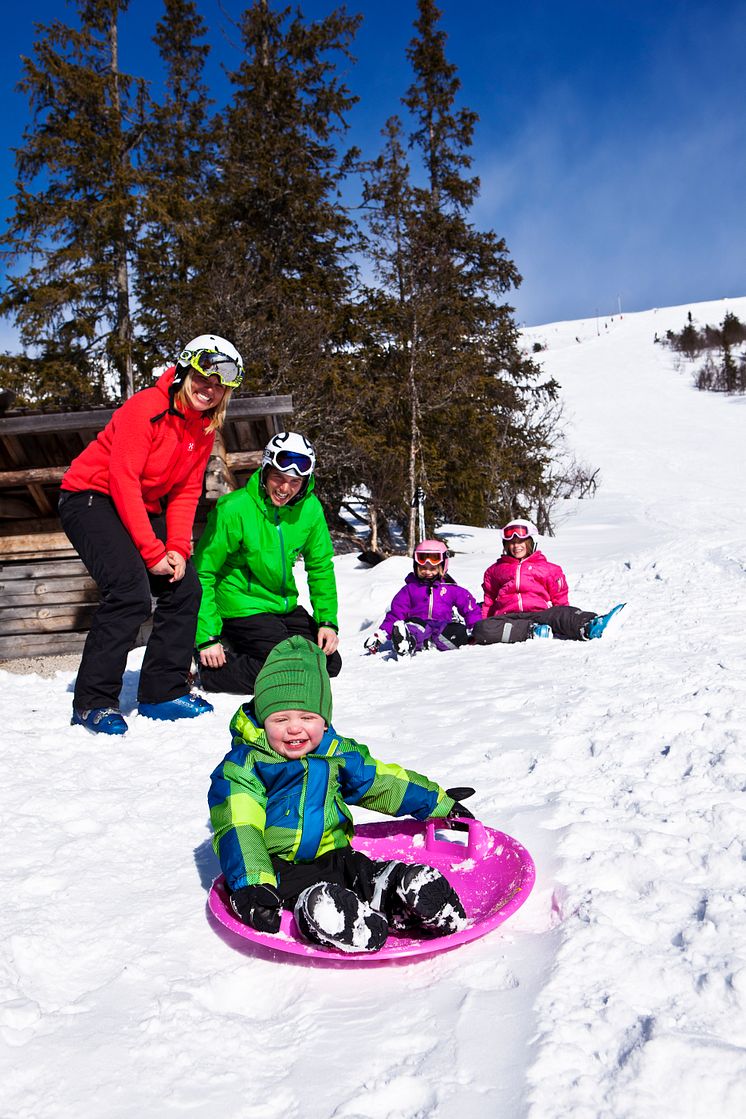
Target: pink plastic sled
{"type": "Point", "coordinates": [492, 873]}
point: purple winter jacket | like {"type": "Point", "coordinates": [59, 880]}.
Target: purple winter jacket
{"type": "Point", "coordinates": [433, 600]}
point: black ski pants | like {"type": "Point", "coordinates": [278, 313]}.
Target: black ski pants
{"type": "Point", "coordinates": [564, 621]}
{"type": "Point", "coordinates": [95, 530]}
{"type": "Point", "coordinates": [248, 643]}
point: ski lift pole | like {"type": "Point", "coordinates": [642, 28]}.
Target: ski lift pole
{"type": "Point", "coordinates": [418, 501]}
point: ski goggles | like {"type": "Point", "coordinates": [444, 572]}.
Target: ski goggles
{"type": "Point", "coordinates": [428, 559]}
{"type": "Point", "coordinates": [293, 462]}
{"type": "Point", "coordinates": [516, 532]}
{"type": "Point", "coordinates": [228, 371]}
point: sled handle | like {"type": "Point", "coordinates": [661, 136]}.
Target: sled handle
{"type": "Point", "coordinates": [477, 845]}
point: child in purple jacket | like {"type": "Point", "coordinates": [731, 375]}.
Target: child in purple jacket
{"type": "Point", "coordinates": [425, 612]}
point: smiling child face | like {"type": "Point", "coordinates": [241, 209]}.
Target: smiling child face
{"type": "Point", "coordinates": [293, 734]}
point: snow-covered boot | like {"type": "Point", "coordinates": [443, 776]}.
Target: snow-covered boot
{"type": "Point", "coordinates": [596, 627]}
{"type": "Point", "coordinates": [412, 894]}
{"type": "Point", "coordinates": [403, 641]}
{"type": "Point", "coordinates": [540, 629]}
{"type": "Point", "coordinates": [336, 917]}
{"type": "Point", "coordinates": [100, 720]}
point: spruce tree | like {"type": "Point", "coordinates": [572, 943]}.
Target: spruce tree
{"type": "Point", "coordinates": [178, 176]}
{"type": "Point", "coordinates": [278, 275]}
{"type": "Point", "coordinates": [72, 231]}
{"type": "Point", "coordinates": [451, 339]}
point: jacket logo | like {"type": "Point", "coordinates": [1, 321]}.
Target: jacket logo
{"type": "Point", "coordinates": [190, 446]}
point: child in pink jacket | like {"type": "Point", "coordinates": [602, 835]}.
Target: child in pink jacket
{"type": "Point", "coordinates": [526, 596]}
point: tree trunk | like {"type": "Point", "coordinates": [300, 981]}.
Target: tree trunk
{"type": "Point", "coordinates": [123, 324]}
{"type": "Point", "coordinates": [373, 518]}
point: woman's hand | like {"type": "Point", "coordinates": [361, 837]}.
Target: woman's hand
{"type": "Point", "coordinates": [163, 567]}
{"type": "Point", "coordinates": [327, 640]}
{"type": "Point", "coordinates": [178, 565]}
{"type": "Point", "coordinates": [213, 656]}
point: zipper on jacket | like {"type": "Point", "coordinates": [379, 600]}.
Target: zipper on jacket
{"type": "Point", "coordinates": [278, 526]}
{"type": "Point", "coordinates": [518, 585]}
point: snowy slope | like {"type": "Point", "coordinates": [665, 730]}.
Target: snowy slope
{"type": "Point", "coordinates": [619, 990]}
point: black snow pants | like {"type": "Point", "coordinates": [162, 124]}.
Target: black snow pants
{"type": "Point", "coordinates": [248, 642]}
{"type": "Point", "coordinates": [95, 530]}
{"type": "Point", "coordinates": [564, 621]}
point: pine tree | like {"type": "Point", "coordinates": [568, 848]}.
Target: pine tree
{"type": "Point", "coordinates": [178, 176]}
{"type": "Point", "coordinates": [73, 230]}
{"type": "Point", "coordinates": [450, 338]}
{"type": "Point", "coordinates": [278, 275]}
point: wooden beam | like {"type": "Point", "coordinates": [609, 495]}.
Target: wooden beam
{"type": "Point", "coordinates": [243, 460]}
{"type": "Point", "coordinates": [41, 645]}
{"type": "Point", "coordinates": [50, 569]}
{"type": "Point", "coordinates": [37, 474]}
{"type": "Point", "coordinates": [46, 619]}
{"type": "Point", "coordinates": [240, 407]}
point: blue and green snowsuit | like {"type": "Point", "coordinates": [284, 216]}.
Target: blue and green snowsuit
{"type": "Point", "coordinates": [264, 805]}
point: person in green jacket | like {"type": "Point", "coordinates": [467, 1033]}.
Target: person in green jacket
{"type": "Point", "coordinates": [244, 560]}
{"type": "Point", "coordinates": [279, 810]}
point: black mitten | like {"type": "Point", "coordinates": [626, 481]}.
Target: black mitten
{"type": "Point", "coordinates": [258, 906]}
{"type": "Point", "coordinates": [459, 810]}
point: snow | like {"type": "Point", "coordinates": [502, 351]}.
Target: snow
{"type": "Point", "coordinates": [618, 990]}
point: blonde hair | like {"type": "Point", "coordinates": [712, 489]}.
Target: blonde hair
{"type": "Point", "coordinates": [216, 414]}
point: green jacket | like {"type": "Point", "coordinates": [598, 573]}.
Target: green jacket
{"type": "Point", "coordinates": [262, 804]}
{"type": "Point", "coordinates": [245, 558]}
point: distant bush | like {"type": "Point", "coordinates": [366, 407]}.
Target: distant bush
{"type": "Point", "coordinates": [722, 370]}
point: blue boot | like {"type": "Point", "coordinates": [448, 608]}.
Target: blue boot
{"type": "Point", "coordinates": [598, 625]}
{"type": "Point", "coordinates": [187, 706]}
{"type": "Point", "coordinates": [100, 720]}
{"type": "Point", "coordinates": [541, 629]}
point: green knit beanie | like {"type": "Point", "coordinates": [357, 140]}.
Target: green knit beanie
{"type": "Point", "coordinates": [294, 678]}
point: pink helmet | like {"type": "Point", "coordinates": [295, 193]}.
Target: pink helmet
{"type": "Point", "coordinates": [431, 553]}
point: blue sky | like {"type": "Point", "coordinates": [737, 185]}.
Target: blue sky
{"type": "Point", "coordinates": [611, 145]}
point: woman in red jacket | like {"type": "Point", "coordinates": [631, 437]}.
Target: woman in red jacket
{"type": "Point", "coordinates": [526, 596]}
{"type": "Point", "coordinates": [127, 504]}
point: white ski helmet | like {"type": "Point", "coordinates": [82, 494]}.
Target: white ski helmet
{"type": "Point", "coordinates": [290, 453]}
{"type": "Point", "coordinates": [210, 354]}
{"type": "Point", "coordinates": [519, 529]}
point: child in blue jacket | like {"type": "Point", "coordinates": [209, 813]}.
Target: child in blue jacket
{"type": "Point", "coordinates": [279, 809]}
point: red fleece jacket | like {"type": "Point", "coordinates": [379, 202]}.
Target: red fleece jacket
{"type": "Point", "coordinates": [143, 465]}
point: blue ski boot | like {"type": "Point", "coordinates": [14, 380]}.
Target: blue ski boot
{"type": "Point", "coordinates": [598, 625]}
{"type": "Point", "coordinates": [184, 707]}
{"type": "Point", "coordinates": [540, 629]}
{"type": "Point", "coordinates": [100, 720]}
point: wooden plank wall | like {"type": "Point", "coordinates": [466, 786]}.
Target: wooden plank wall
{"type": "Point", "coordinates": [47, 598]}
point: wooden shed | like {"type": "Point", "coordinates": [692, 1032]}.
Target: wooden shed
{"type": "Point", "coordinates": [47, 597]}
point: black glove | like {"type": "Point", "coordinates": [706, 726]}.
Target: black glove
{"type": "Point", "coordinates": [258, 906]}
{"type": "Point", "coordinates": [374, 643]}
{"type": "Point", "coordinates": [458, 810]}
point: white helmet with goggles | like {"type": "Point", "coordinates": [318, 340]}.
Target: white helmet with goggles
{"type": "Point", "coordinates": [211, 356]}
{"type": "Point", "coordinates": [290, 453]}
{"type": "Point", "coordinates": [519, 530]}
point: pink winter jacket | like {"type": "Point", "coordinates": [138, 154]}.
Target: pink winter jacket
{"type": "Point", "coordinates": [512, 586]}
